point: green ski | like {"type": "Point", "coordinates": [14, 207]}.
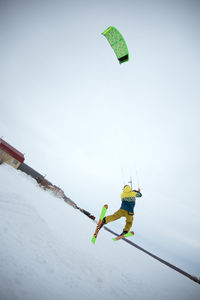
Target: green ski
{"type": "Point", "coordinates": [103, 212]}
{"type": "Point", "coordinates": [123, 236]}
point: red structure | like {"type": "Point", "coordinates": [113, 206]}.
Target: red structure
{"type": "Point", "coordinates": [11, 151]}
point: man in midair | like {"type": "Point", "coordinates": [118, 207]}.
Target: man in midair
{"type": "Point", "coordinates": [126, 210]}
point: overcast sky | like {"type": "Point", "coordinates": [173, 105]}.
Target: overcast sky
{"type": "Point", "coordinates": [89, 123]}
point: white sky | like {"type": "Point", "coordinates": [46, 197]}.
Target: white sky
{"type": "Point", "coordinates": [89, 123]}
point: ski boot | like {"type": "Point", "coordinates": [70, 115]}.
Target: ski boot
{"type": "Point", "coordinates": [103, 223]}
{"type": "Point", "coordinates": [124, 232]}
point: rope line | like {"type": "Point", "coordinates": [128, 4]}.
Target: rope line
{"type": "Point", "coordinates": [194, 278]}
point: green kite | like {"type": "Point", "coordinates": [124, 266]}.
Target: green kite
{"type": "Point", "coordinates": [118, 43]}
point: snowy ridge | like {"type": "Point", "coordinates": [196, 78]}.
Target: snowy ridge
{"type": "Point", "coordinates": [194, 278]}
{"type": "Point", "coordinates": [46, 253]}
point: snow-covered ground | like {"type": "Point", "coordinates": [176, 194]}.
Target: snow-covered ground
{"type": "Point", "coordinates": [46, 253]}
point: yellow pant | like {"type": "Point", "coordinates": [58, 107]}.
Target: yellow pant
{"type": "Point", "coordinates": [121, 213]}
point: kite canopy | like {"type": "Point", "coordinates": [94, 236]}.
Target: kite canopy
{"type": "Point", "coordinates": [118, 43]}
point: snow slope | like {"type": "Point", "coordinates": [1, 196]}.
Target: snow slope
{"type": "Point", "coordinates": [46, 253]}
